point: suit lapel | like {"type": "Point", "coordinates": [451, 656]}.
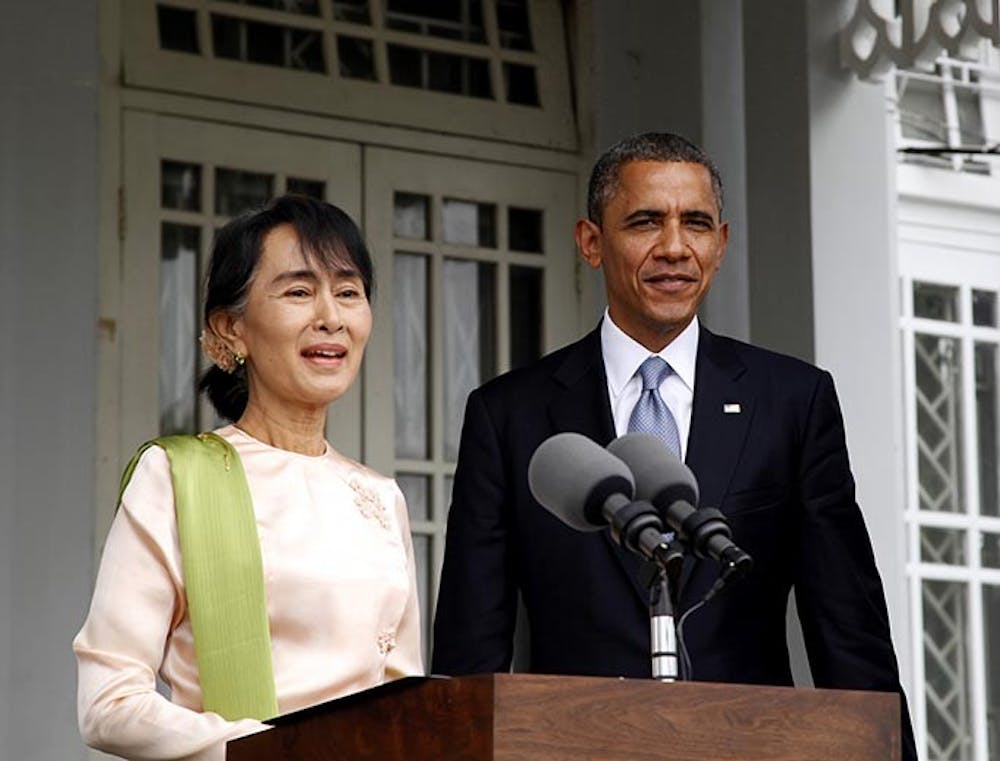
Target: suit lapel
{"type": "Point", "coordinates": [584, 407]}
{"type": "Point", "coordinates": [720, 419]}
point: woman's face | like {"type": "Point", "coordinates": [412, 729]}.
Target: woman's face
{"type": "Point", "coordinates": [304, 328]}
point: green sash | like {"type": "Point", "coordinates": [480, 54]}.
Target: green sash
{"type": "Point", "coordinates": [223, 574]}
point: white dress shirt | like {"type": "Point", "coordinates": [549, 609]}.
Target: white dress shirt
{"type": "Point", "coordinates": [622, 357]}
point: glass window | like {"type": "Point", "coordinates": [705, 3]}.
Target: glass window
{"type": "Point", "coordinates": [269, 44]}
{"type": "Point", "coordinates": [469, 223]}
{"type": "Point", "coordinates": [442, 72]}
{"type": "Point", "coordinates": [354, 11]}
{"type": "Point", "coordinates": [311, 188]}
{"type": "Point", "coordinates": [524, 230]}
{"type": "Point", "coordinates": [356, 57]}
{"type": "Point", "coordinates": [988, 427]}
{"type": "Point", "coordinates": [237, 190]}
{"type": "Point", "coordinates": [514, 24]}
{"type": "Point", "coordinates": [469, 346]}
{"type": "Point", "coordinates": [180, 185]}
{"type": "Point", "coordinates": [303, 7]}
{"type": "Point", "coordinates": [416, 490]}
{"type": "Point", "coordinates": [411, 216]}
{"type": "Point", "coordinates": [178, 357]}
{"type": "Point", "coordinates": [450, 19]}
{"type": "Point", "coordinates": [935, 302]}
{"type": "Point", "coordinates": [526, 316]}
{"type": "Point", "coordinates": [177, 29]}
{"type": "Point", "coordinates": [939, 423]}
{"type": "Point", "coordinates": [991, 625]}
{"type": "Point", "coordinates": [942, 545]}
{"type": "Point", "coordinates": [411, 354]}
{"type": "Point", "coordinates": [520, 84]}
{"type": "Point", "coordinates": [984, 308]}
{"type": "Point", "coordinates": [946, 670]}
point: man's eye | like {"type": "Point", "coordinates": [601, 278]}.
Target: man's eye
{"type": "Point", "coordinates": [645, 222]}
{"type": "Point", "coordinates": [348, 293]}
{"type": "Point", "coordinates": [297, 293]}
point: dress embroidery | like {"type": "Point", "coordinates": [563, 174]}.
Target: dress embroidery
{"type": "Point", "coordinates": [367, 501]}
{"type": "Point", "coordinates": [386, 642]}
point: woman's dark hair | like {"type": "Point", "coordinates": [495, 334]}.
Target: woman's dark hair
{"type": "Point", "coordinates": [327, 236]}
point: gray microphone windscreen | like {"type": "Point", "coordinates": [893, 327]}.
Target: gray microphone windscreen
{"type": "Point", "coordinates": [571, 476]}
{"type": "Point", "coordinates": [655, 468]}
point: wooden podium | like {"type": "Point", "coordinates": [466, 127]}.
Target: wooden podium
{"type": "Point", "coordinates": [549, 718]}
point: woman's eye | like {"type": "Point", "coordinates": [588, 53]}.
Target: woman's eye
{"type": "Point", "coordinates": [297, 293]}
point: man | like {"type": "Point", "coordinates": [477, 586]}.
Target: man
{"type": "Point", "coordinates": [762, 433]}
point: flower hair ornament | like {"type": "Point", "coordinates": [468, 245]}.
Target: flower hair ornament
{"type": "Point", "coordinates": [221, 355]}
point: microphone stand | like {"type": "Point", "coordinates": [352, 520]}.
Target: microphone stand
{"type": "Point", "coordinates": [661, 577]}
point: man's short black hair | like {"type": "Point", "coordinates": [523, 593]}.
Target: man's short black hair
{"type": "Point", "coordinates": [649, 146]}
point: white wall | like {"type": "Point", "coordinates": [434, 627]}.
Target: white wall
{"type": "Point", "coordinates": [855, 292]}
{"type": "Point", "coordinates": [48, 297]}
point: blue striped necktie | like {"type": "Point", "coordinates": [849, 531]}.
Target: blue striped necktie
{"type": "Point", "coordinates": [651, 414]}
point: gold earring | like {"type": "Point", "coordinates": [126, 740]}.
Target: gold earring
{"type": "Point", "coordinates": [241, 359]}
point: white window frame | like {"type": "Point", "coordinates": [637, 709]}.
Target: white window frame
{"type": "Point", "coordinates": [551, 125]}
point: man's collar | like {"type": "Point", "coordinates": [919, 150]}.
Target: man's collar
{"type": "Point", "coordinates": [623, 354]}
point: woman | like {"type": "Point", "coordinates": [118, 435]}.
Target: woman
{"type": "Point", "coordinates": [287, 317]}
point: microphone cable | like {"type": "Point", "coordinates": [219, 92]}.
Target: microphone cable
{"type": "Point", "coordinates": [686, 667]}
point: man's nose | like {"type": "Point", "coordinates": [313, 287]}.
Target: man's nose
{"type": "Point", "coordinates": [672, 244]}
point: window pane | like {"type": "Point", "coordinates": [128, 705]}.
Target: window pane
{"type": "Point", "coordinates": [946, 670]}
{"type": "Point", "coordinates": [935, 302]}
{"type": "Point", "coordinates": [939, 429]}
{"type": "Point", "coordinates": [178, 29]}
{"type": "Point", "coordinates": [442, 72]}
{"type": "Point", "coordinates": [451, 19]}
{"type": "Point", "coordinates": [410, 216]}
{"type": "Point", "coordinates": [236, 190]}
{"type": "Point", "coordinates": [179, 246]}
{"type": "Point", "coordinates": [942, 545]}
{"type": "Point", "coordinates": [416, 490]}
{"type": "Point", "coordinates": [984, 308]}
{"type": "Point", "coordinates": [355, 58]}
{"type": "Point", "coordinates": [354, 11]}
{"type": "Point", "coordinates": [469, 345]}
{"type": "Point", "coordinates": [311, 188]}
{"type": "Point", "coordinates": [991, 636]}
{"type": "Point", "coordinates": [921, 111]}
{"type": "Point", "coordinates": [525, 315]}
{"type": "Point", "coordinates": [514, 25]}
{"type": "Point", "coordinates": [988, 428]}
{"type": "Point", "coordinates": [268, 44]}
{"type": "Point", "coordinates": [180, 186]}
{"type": "Point", "coordinates": [425, 568]}
{"type": "Point", "coordinates": [303, 7]}
{"type": "Point", "coordinates": [520, 84]}
{"type": "Point", "coordinates": [990, 553]}
{"type": "Point", "coordinates": [410, 310]}
{"type": "Point", "coordinates": [524, 230]}
{"type": "Point", "coordinates": [469, 223]}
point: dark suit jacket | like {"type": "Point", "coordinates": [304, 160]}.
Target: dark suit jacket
{"type": "Point", "coordinates": [778, 469]}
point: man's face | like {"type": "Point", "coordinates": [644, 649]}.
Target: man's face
{"type": "Point", "coordinates": [660, 243]}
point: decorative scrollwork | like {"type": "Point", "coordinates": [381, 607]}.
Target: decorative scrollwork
{"type": "Point", "coordinates": [871, 42]}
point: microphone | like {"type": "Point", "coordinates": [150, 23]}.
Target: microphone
{"type": "Point", "coordinates": [670, 485]}
{"type": "Point", "coordinates": [587, 487]}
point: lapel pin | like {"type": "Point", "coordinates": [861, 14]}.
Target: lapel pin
{"type": "Point", "coordinates": [732, 408]}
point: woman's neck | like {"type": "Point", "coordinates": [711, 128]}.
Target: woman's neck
{"type": "Point", "coordinates": [301, 432]}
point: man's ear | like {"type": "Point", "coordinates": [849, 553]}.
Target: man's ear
{"type": "Point", "coordinates": [228, 327]}
{"type": "Point", "coordinates": [723, 241]}
{"type": "Point", "coordinates": [588, 242]}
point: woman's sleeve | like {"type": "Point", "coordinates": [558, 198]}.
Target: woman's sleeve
{"type": "Point", "coordinates": [406, 659]}
{"type": "Point", "coordinates": [138, 600]}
